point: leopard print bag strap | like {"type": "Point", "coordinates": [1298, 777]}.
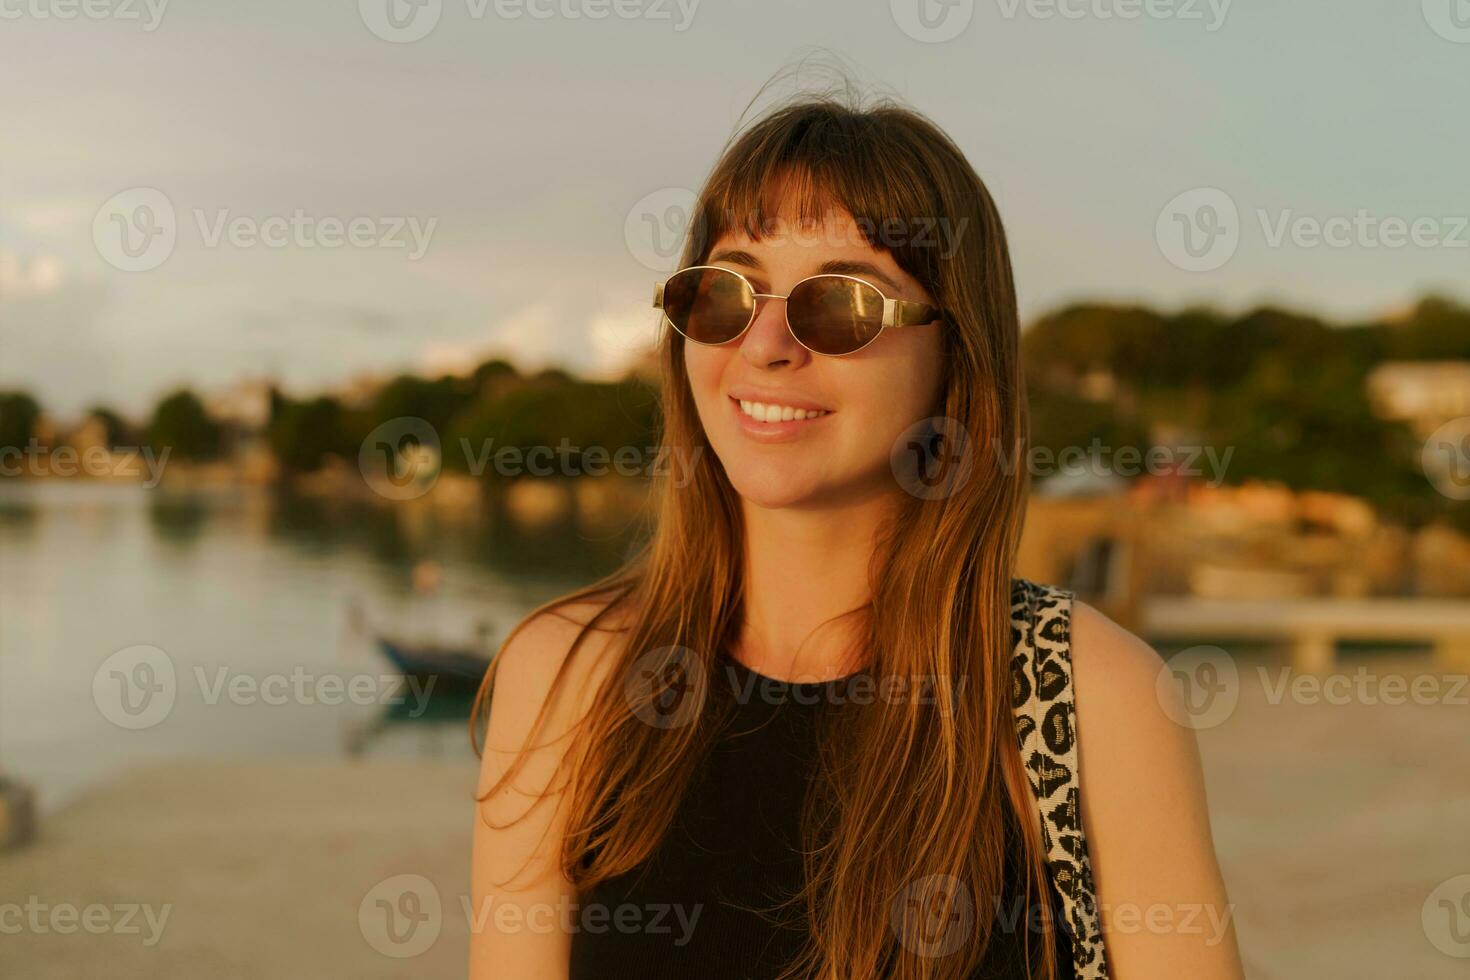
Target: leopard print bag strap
{"type": "Point", "coordinates": [1041, 677]}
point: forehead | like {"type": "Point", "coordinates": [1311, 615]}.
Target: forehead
{"type": "Point", "coordinates": [787, 238]}
{"type": "Point", "coordinates": [832, 228]}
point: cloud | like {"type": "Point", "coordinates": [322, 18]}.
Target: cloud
{"type": "Point", "coordinates": [26, 276]}
{"type": "Point", "coordinates": [527, 337]}
{"type": "Point", "coordinates": [350, 319]}
{"type": "Point", "coordinates": [620, 337]}
{"type": "Point", "coordinates": [49, 330]}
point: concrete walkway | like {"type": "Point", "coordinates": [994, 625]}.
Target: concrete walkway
{"type": "Point", "coordinates": [261, 867]}
{"type": "Point", "coordinates": [1334, 822]}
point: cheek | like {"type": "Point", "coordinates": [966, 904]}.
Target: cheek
{"type": "Point", "coordinates": [705, 367]}
{"type": "Point", "coordinates": [896, 392]}
{"type": "Point", "coordinates": [928, 375]}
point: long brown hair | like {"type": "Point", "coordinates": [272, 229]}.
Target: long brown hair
{"type": "Point", "coordinates": [920, 790]}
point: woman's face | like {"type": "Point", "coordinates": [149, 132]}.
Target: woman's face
{"type": "Point", "coordinates": [867, 398]}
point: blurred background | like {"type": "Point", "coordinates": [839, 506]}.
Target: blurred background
{"type": "Point", "coordinates": [324, 357]}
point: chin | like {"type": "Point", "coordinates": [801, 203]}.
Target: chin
{"type": "Point", "coordinates": [773, 487]}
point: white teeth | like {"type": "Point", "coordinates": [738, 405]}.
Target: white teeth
{"type": "Point", "coordinates": [763, 412]}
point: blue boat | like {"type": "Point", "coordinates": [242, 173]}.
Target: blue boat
{"type": "Point", "coordinates": [449, 669]}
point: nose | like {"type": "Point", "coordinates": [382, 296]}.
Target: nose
{"type": "Point", "coordinates": [769, 343]}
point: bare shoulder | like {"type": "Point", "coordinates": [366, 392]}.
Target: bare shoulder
{"type": "Point", "coordinates": [554, 659]}
{"type": "Point", "coordinates": [540, 645]}
{"type": "Point", "coordinates": [1125, 715]}
{"type": "Point", "coordinates": [1115, 671]}
{"type": "Point", "coordinates": [543, 682]}
{"type": "Point", "coordinates": [1144, 807]}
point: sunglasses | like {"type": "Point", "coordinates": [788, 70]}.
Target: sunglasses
{"type": "Point", "coordinates": [828, 314]}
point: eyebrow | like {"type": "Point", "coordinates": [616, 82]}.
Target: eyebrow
{"type": "Point", "coordinates": [832, 267]}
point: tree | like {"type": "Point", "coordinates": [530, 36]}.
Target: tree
{"type": "Point", "coordinates": [551, 409]}
{"type": "Point", "coordinates": [19, 413]}
{"type": "Point", "coordinates": [436, 401]}
{"type": "Point", "coordinates": [303, 434]}
{"type": "Point", "coordinates": [181, 425]}
{"type": "Point", "coordinates": [116, 431]}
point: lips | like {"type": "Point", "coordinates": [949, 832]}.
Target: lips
{"type": "Point", "coordinates": [772, 418]}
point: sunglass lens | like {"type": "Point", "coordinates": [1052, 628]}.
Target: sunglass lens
{"type": "Point", "coordinates": [709, 306]}
{"type": "Point", "coordinates": [835, 315]}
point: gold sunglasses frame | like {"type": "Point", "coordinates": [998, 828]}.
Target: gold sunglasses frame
{"type": "Point", "coordinates": [896, 312]}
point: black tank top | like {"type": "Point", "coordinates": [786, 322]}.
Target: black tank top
{"type": "Point", "coordinates": [702, 904]}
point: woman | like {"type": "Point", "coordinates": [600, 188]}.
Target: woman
{"type": "Point", "coordinates": [817, 729]}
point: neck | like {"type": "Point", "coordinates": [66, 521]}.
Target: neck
{"type": "Point", "coordinates": [803, 569]}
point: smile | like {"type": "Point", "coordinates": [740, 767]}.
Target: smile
{"type": "Point", "coordinates": [768, 412]}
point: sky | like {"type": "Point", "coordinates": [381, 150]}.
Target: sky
{"type": "Point", "coordinates": [199, 192]}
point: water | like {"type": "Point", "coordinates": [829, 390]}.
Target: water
{"type": "Point", "coordinates": [244, 593]}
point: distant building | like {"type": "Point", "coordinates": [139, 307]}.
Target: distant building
{"type": "Point", "coordinates": [1426, 394]}
{"type": "Point", "coordinates": [359, 392]}
{"type": "Point", "coordinates": [47, 431]}
{"type": "Point", "coordinates": [244, 405]}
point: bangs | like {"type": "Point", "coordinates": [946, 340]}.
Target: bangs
{"type": "Point", "coordinates": [809, 165]}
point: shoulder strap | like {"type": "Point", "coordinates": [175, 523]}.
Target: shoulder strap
{"type": "Point", "coordinates": [1041, 679]}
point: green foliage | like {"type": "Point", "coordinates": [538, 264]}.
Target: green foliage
{"type": "Point", "coordinates": [116, 430]}
{"type": "Point", "coordinates": [19, 413]}
{"type": "Point", "coordinates": [1285, 392]}
{"type": "Point", "coordinates": [1437, 329]}
{"type": "Point", "coordinates": [1313, 429]}
{"type": "Point", "coordinates": [436, 401]}
{"type": "Point", "coordinates": [303, 434]}
{"type": "Point", "coordinates": [555, 410]}
{"type": "Point", "coordinates": [181, 425]}
{"type": "Point", "coordinates": [491, 409]}
{"type": "Point", "coordinates": [1064, 419]}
